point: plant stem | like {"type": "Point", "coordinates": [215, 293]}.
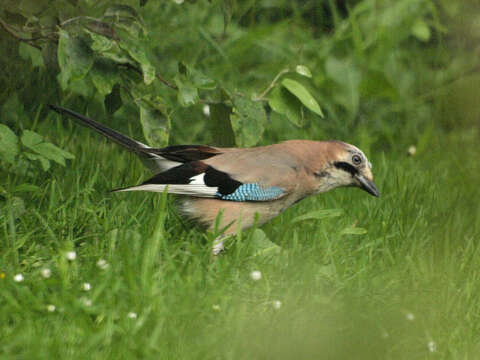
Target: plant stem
{"type": "Point", "coordinates": [261, 97]}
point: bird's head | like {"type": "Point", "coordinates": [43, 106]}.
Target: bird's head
{"type": "Point", "coordinates": [345, 165]}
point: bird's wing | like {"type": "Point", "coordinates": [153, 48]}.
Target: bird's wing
{"type": "Point", "coordinates": [157, 159]}
{"type": "Point", "coordinates": [257, 174]}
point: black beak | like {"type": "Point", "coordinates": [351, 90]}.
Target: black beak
{"type": "Point", "coordinates": [367, 185]}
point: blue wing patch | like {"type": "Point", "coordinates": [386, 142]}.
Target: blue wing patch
{"type": "Point", "coordinates": [252, 192]}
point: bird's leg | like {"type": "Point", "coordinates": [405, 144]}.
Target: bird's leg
{"type": "Point", "coordinates": [218, 245]}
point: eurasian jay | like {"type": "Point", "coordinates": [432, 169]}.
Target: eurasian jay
{"type": "Point", "coordinates": [243, 184]}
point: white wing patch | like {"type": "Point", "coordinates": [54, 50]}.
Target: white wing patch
{"type": "Point", "coordinates": [197, 190]}
{"type": "Point", "coordinates": [196, 187]}
{"type": "Point", "coordinates": [198, 179]}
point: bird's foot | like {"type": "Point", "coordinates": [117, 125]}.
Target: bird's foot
{"type": "Point", "coordinates": [218, 246]}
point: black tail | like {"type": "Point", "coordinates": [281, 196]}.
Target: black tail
{"type": "Point", "coordinates": [156, 159]}
{"type": "Point", "coordinates": [114, 135]}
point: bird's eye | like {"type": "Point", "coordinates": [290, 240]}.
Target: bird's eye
{"type": "Point", "coordinates": [356, 159]}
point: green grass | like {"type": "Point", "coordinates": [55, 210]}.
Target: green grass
{"type": "Point", "coordinates": [342, 296]}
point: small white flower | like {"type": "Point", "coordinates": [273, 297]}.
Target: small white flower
{"type": "Point", "coordinates": [46, 273]}
{"type": "Point", "coordinates": [206, 110]}
{"type": "Point", "coordinates": [410, 316]}
{"type": "Point", "coordinates": [132, 315]}
{"type": "Point", "coordinates": [71, 255]}
{"type": "Point", "coordinates": [87, 302]}
{"type": "Point", "coordinates": [51, 308]}
{"type": "Point", "coordinates": [432, 346]}
{"type": "Point", "coordinates": [86, 286]}
{"type": "Point", "coordinates": [179, 2]}
{"type": "Point", "coordinates": [277, 304]}
{"type": "Point", "coordinates": [18, 278]}
{"type": "Point", "coordinates": [256, 275]}
{"type": "Point", "coordinates": [216, 307]}
{"type": "Point", "coordinates": [412, 150]}
{"type": "Point", "coordinates": [102, 264]}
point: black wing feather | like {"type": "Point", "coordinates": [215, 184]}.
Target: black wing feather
{"type": "Point", "coordinates": [186, 153]}
{"type": "Point", "coordinates": [183, 174]}
{"type": "Point", "coordinates": [226, 185]}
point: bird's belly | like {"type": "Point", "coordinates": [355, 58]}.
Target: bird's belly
{"type": "Point", "coordinates": [244, 214]}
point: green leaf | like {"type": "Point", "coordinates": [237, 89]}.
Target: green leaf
{"type": "Point", "coordinates": [52, 152]}
{"type": "Point", "coordinates": [200, 80]}
{"type": "Point", "coordinates": [303, 95]}
{"type": "Point", "coordinates": [347, 75]}
{"type": "Point", "coordinates": [283, 102]}
{"type": "Point", "coordinates": [104, 76]}
{"type": "Point", "coordinates": [8, 144]}
{"type": "Point", "coordinates": [303, 70]}
{"type": "Point", "coordinates": [26, 188]}
{"type": "Point", "coordinates": [44, 162]}
{"type": "Point", "coordinates": [109, 49]}
{"type": "Point", "coordinates": [31, 139]}
{"type": "Point", "coordinates": [83, 87]}
{"type": "Point", "coordinates": [318, 215]}
{"type": "Point", "coordinates": [421, 30]}
{"type": "Point", "coordinates": [248, 120]}
{"type": "Point", "coordinates": [353, 230]}
{"type": "Point", "coordinates": [155, 121]}
{"type": "Point", "coordinates": [75, 58]}
{"type": "Point", "coordinates": [187, 94]}
{"type": "Point", "coordinates": [188, 81]}
{"type": "Point", "coordinates": [137, 50]}
{"type": "Point", "coordinates": [31, 53]}
{"type": "Point", "coordinates": [35, 142]}
{"type": "Point", "coordinates": [117, 55]}
{"type": "Point", "coordinates": [148, 73]}
{"type": "Point", "coordinates": [100, 43]}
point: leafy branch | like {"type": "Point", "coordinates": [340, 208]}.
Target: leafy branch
{"type": "Point", "coordinates": [91, 51]}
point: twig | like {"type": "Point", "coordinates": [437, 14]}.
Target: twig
{"type": "Point", "coordinates": [68, 21]}
{"type": "Point", "coordinates": [29, 41]}
{"type": "Point", "coordinates": [165, 82]}
{"type": "Point", "coordinates": [261, 97]}
{"type": "Point", "coordinates": [138, 71]}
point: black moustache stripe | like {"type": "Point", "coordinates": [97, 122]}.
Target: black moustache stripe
{"type": "Point", "coordinates": [346, 167]}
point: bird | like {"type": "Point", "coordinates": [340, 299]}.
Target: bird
{"type": "Point", "coordinates": [235, 188]}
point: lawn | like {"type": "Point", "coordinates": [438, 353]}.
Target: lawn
{"type": "Point", "coordinates": [405, 287]}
